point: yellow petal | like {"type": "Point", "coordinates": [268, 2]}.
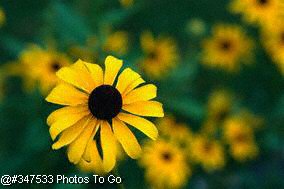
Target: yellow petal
{"type": "Point", "coordinates": [108, 143]}
{"type": "Point", "coordinates": [64, 122]}
{"type": "Point", "coordinates": [86, 155]}
{"type": "Point", "coordinates": [70, 134]}
{"type": "Point", "coordinates": [96, 73]}
{"type": "Point", "coordinates": [146, 92]}
{"type": "Point", "coordinates": [95, 162]}
{"type": "Point", "coordinates": [65, 94]}
{"type": "Point", "coordinates": [77, 75]}
{"type": "Point", "coordinates": [112, 67]}
{"type": "Point", "coordinates": [145, 126]}
{"type": "Point", "coordinates": [145, 108]}
{"type": "Point", "coordinates": [77, 148]}
{"type": "Point", "coordinates": [65, 111]}
{"type": "Point", "coordinates": [133, 85]}
{"type": "Point", "coordinates": [126, 138]}
{"type": "Point", "coordinates": [125, 79]}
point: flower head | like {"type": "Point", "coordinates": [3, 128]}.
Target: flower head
{"type": "Point", "coordinates": [208, 153]}
{"type": "Point", "coordinates": [227, 48]}
{"type": "Point", "coordinates": [257, 11]}
{"type": "Point", "coordinates": [39, 67]}
{"type": "Point", "coordinates": [239, 135]}
{"type": "Point", "coordinates": [96, 109]}
{"type": "Point", "coordinates": [165, 165]}
{"type": "Point", "coordinates": [117, 42]}
{"type": "Point", "coordinates": [161, 55]}
{"type": "Point", "coordinates": [273, 39]}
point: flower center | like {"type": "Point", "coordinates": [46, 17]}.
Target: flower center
{"type": "Point", "coordinates": [105, 102]}
{"type": "Point", "coordinates": [241, 138]}
{"type": "Point", "coordinates": [262, 2]}
{"type": "Point", "coordinates": [55, 66]}
{"type": "Point", "coordinates": [167, 156]}
{"type": "Point", "coordinates": [207, 147]}
{"type": "Point", "coordinates": [152, 55]}
{"type": "Point", "coordinates": [225, 45]}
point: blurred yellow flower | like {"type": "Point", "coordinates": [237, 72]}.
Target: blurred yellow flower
{"type": "Point", "coordinates": [257, 11]}
{"type": "Point", "coordinates": [208, 153]}
{"type": "Point", "coordinates": [227, 48]}
{"type": "Point", "coordinates": [273, 39]}
{"type": "Point", "coordinates": [96, 111]}
{"type": "Point", "coordinates": [117, 43]}
{"type": "Point", "coordinates": [2, 17]}
{"type": "Point", "coordinates": [161, 55]}
{"type": "Point", "coordinates": [126, 3]}
{"type": "Point", "coordinates": [165, 165]}
{"type": "Point", "coordinates": [182, 135]}
{"type": "Point", "coordinates": [39, 67]}
{"type": "Point", "coordinates": [239, 135]}
{"type": "Point", "coordinates": [219, 104]}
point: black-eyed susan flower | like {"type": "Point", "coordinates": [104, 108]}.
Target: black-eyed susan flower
{"type": "Point", "coordinates": [2, 17]}
{"type": "Point", "coordinates": [257, 11]}
{"type": "Point", "coordinates": [219, 105]}
{"type": "Point", "coordinates": [209, 153]}
{"type": "Point", "coordinates": [239, 135]}
{"type": "Point", "coordinates": [165, 165]}
{"type": "Point", "coordinates": [161, 55]}
{"type": "Point", "coordinates": [273, 40]}
{"type": "Point", "coordinates": [227, 48]}
{"type": "Point", "coordinates": [98, 106]}
{"type": "Point", "coordinates": [39, 67]}
{"type": "Point", "coordinates": [117, 43]}
{"type": "Point", "coordinates": [182, 135]}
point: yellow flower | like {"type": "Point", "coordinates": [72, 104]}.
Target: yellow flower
{"type": "Point", "coordinates": [96, 105]}
{"type": "Point", "coordinates": [161, 55]}
{"type": "Point", "coordinates": [219, 105]}
{"type": "Point", "coordinates": [2, 17]}
{"type": "Point", "coordinates": [182, 135]}
{"type": "Point", "coordinates": [239, 135]}
{"type": "Point", "coordinates": [227, 48]}
{"type": "Point", "coordinates": [273, 39]}
{"type": "Point", "coordinates": [209, 153]}
{"type": "Point", "coordinates": [39, 67]}
{"type": "Point", "coordinates": [117, 43]}
{"type": "Point", "coordinates": [257, 11]}
{"type": "Point", "coordinates": [126, 3]}
{"type": "Point", "coordinates": [165, 165]}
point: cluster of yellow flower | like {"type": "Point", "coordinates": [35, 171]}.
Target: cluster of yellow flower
{"type": "Point", "coordinates": [269, 16]}
{"type": "Point", "coordinates": [180, 149]}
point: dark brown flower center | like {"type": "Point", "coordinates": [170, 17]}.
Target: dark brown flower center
{"type": "Point", "coordinates": [263, 2]}
{"type": "Point", "coordinates": [207, 147]}
{"type": "Point", "coordinates": [55, 66]}
{"type": "Point", "coordinates": [152, 55]}
{"type": "Point", "coordinates": [105, 102]}
{"type": "Point", "coordinates": [167, 156]}
{"type": "Point", "coordinates": [241, 138]}
{"type": "Point", "coordinates": [225, 45]}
